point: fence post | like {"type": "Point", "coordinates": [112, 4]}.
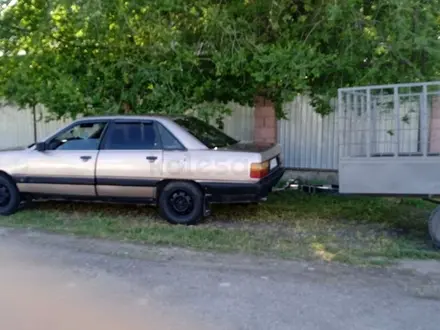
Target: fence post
{"type": "Point", "coordinates": [424, 121]}
{"type": "Point", "coordinates": [34, 119]}
{"type": "Point", "coordinates": [396, 100]}
{"type": "Point", "coordinates": [369, 123]}
{"type": "Point", "coordinates": [340, 122]}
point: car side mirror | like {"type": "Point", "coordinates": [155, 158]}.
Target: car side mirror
{"type": "Point", "coordinates": [40, 146]}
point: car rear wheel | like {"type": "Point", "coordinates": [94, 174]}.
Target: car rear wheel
{"type": "Point", "coordinates": [9, 196]}
{"type": "Point", "coordinates": [181, 203]}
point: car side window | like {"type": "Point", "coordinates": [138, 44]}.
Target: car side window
{"type": "Point", "coordinates": [83, 136]}
{"type": "Point", "coordinates": [132, 136]}
{"type": "Point", "coordinates": [169, 142]}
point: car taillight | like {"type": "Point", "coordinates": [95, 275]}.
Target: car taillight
{"type": "Point", "coordinates": [259, 170]}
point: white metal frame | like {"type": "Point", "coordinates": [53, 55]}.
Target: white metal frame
{"type": "Point", "coordinates": [397, 172]}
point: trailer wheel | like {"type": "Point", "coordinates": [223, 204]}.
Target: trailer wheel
{"type": "Point", "coordinates": [434, 226]}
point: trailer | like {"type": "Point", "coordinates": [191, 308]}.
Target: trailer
{"type": "Point", "coordinates": [389, 143]}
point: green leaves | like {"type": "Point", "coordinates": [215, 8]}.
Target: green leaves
{"type": "Point", "coordinates": [85, 56]}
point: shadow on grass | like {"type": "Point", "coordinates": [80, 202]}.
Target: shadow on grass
{"type": "Point", "coordinates": [290, 225]}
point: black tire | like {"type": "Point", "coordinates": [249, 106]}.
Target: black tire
{"type": "Point", "coordinates": [434, 226]}
{"type": "Point", "coordinates": [181, 203]}
{"type": "Point", "coordinates": [9, 196]}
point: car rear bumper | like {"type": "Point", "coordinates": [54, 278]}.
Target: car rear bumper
{"type": "Point", "coordinates": [266, 184]}
{"type": "Point", "coordinates": [243, 192]}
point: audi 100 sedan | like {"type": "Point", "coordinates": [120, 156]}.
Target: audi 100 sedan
{"type": "Point", "coordinates": [180, 164]}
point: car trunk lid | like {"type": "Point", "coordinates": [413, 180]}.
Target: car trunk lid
{"type": "Point", "coordinates": [269, 153]}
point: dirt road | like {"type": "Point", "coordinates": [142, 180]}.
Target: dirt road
{"type": "Point", "coordinates": [52, 282]}
{"type": "Point", "coordinates": [38, 297]}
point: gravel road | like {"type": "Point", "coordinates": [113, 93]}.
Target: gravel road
{"type": "Point", "coordinates": [54, 282]}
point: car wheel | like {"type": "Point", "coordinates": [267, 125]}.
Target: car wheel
{"type": "Point", "coordinates": [181, 203]}
{"type": "Point", "coordinates": [434, 226]}
{"type": "Point", "coordinates": [9, 196]}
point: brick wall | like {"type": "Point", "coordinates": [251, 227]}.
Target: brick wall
{"type": "Point", "coordinates": [434, 135]}
{"type": "Point", "coordinates": [265, 130]}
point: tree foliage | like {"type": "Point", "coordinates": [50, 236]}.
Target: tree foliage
{"type": "Point", "coordinates": [111, 56]}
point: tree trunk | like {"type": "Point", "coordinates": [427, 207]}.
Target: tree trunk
{"type": "Point", "coordinates": [126, 108]}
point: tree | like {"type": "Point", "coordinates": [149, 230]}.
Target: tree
{"type": "Point", "coordinates": [142, 56]}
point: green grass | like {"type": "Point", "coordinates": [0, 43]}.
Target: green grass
{"type": "Point", "coordinates": [290, 225]}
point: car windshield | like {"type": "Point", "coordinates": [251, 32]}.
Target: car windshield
{"type": "Point", "coordinates": [207, 134]}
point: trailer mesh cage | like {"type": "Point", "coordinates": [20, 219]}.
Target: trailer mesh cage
{"type": "Point", "coordinates": [389, 139]}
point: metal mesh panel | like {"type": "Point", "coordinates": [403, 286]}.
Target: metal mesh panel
{"type": "Point", "coordinates": [390, 121]}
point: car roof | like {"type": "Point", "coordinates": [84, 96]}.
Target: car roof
{"type": "Point", "coordinates": [179, 132]}
{"type": "Point", "coordinates": [141, 117]}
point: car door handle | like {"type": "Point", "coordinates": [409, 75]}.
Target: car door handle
{"type": "Point", "coordinates": [151, 158]}
{"type": "Point", "coordinates": [85, 158]}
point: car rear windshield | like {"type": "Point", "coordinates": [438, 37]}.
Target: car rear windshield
{"type": "Point", "coordinates": [207, 134]}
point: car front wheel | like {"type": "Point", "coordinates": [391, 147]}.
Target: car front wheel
{"type": "Point", "coordinates": [9, 196]}
{"type": "Point", "coordinates": [181, 203]}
